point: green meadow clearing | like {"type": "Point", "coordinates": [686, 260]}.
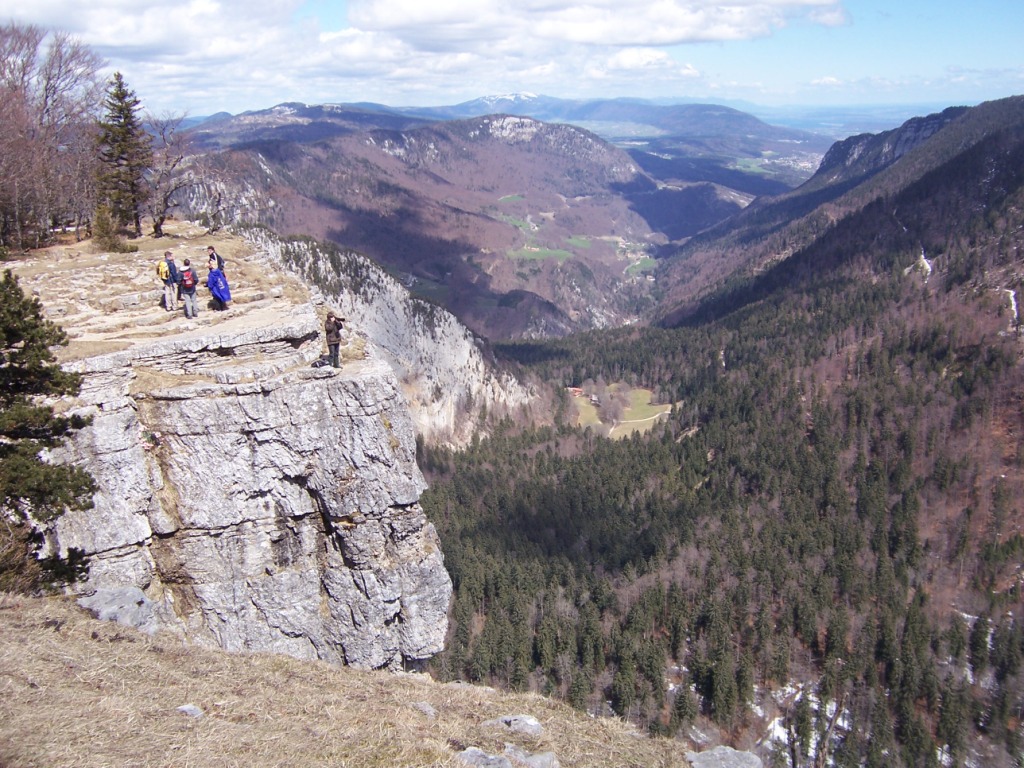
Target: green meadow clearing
{"type": "Point", "coordinates": [640, 415]}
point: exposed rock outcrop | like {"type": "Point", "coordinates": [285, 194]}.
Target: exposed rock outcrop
{"type": "Point", "coordinates": [248, 500]}
{"type": "Point", "coordinates": [446, 373]}
{"type": "Point", "coordinates": [723, 757]}
{"type": "Point", "coordinates": [867, 154]}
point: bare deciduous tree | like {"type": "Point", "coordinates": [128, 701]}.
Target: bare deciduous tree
{"type": "Point", "coordinates": [69, 96]}
{"type": "Point", "coordinates": [168, 174]}
{"type": "Point", "coordinates": [49, 94]}
{"type": "Point", "coordinates": [219, 195]}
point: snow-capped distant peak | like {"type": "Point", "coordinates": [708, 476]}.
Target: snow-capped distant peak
{"type": "Point", "coordinates": [514, 97]}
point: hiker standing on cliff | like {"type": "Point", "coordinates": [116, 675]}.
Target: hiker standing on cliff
{"type": "Point", "coordinates": [167, 271]}
{"type": "Point", "coordinates": [216, 262]}
{"type": "Point", "coordinates": [333, 330]}
{"type": "Point", "coordinates": [187, 281]}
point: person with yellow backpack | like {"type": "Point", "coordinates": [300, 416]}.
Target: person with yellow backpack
{"type": "Point", "coordinates": [167, 271]}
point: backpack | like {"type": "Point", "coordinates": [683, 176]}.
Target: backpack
{"type": "Point", "coordinates": [188, 279]}
{"type": "Point", "coordinates": [162, 270]}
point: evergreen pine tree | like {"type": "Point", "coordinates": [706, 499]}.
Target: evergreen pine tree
{"type": "Point", "coordinates": [126, 154]}
{"type": "Point", "coordinates": [31, 488]}
{"type": "Point", "coordinates": [684, 707]}
{"type": "Point", "coordinates": [580, 689]}
{"type": "Point", "coordinates": [624, 687]}
{"type": "Point", "coordinates": [954, 720]}
{"type": "Point", "coordinates": [977, 645]}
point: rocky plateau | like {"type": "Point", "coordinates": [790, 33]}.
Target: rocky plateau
{"type": "Point", "coordinates": [246, 499]}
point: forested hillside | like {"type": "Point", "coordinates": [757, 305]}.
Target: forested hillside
{"type": "Point", "coordinates": [827, 530]}
{"type": "Point", "coordinates": [853, 174]}
{"type": "Point", "coordinates": [519, 228]}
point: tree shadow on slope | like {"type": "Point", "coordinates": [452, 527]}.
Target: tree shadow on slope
{"type": "Point", "coordinates": [695, 170]}
{"type": "Point", "coordinates": [400, 242]}
{"type": "Point", "coordinates": [680, 213]}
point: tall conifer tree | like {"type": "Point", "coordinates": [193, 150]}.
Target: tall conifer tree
{"type": "Point", "coordinates": [126, 154]}
{"type": "Point", "coordinates": [30, 487]}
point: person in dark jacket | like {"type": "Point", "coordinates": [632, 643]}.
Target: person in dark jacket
{"type": "Point", "coordinates": [333, 330]}
{"type": "Point", "coordinates": [188, 281]}
{"type": "Point", "coordinates": [215, 260]}
{"type": "Point", "coordinates": [169, 276]}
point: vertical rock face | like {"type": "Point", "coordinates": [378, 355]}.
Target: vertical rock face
{"type": "Point", "coordinates": [252, 502]}
{"type": "Point", "coordinates": [446, 372]}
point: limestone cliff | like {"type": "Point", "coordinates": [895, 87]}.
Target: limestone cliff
{"type": "Point", "coordinates": [447, 374]}
{"type": "Point", "coordinates": [246, 499]}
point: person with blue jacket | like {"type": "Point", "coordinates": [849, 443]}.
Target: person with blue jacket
{"type": "Point", "coordinates": [219, 289]}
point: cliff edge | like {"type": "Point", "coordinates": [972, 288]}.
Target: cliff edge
{"type": "Point", "coordinates": [246, 500]}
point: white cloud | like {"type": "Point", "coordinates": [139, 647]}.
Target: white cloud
{"type": "Point", "coordinates": [399, 14]}
{"type": "Point", "coordinates": [209, 55]}
{"type": "Point", "coordinates": [592, 22]}
{"type": "Point", "coordinates": [830, 16]}
{"type": "Point", "coordinates": [436, 25]}
{"type": "Point", "coordinates": [647, 61]}
{"type": "Point", "coordinates": [639, 58]}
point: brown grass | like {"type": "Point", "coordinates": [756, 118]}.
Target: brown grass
{"type": "Point", "coordinates": [149, 379]}
{"type": "Point", "coordinates": [19, 572]}
{"type": "Point", "coordinates": [80, 692]}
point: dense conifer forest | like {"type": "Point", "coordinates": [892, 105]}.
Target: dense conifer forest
{"type": "Point", "coordinates": [832, 504]}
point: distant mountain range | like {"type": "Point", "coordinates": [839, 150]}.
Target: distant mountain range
{"type": "Point", "coordinates": [832, 122]}
{"type": "Point", "coordinates": [525, 224]}
{"type": "Point", "coordinates": [504, 209]}
{"type": "Point", "coordinates": [718, 136]}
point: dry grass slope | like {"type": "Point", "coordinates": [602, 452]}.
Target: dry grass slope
{"type": "Point", "coordinates": [75, 691]}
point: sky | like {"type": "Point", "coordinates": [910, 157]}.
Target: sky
{"type": "Point", "coordinates": [199, 57]}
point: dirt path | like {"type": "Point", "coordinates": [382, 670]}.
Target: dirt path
{"type": "Point", "coordinates": [611, 432]}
